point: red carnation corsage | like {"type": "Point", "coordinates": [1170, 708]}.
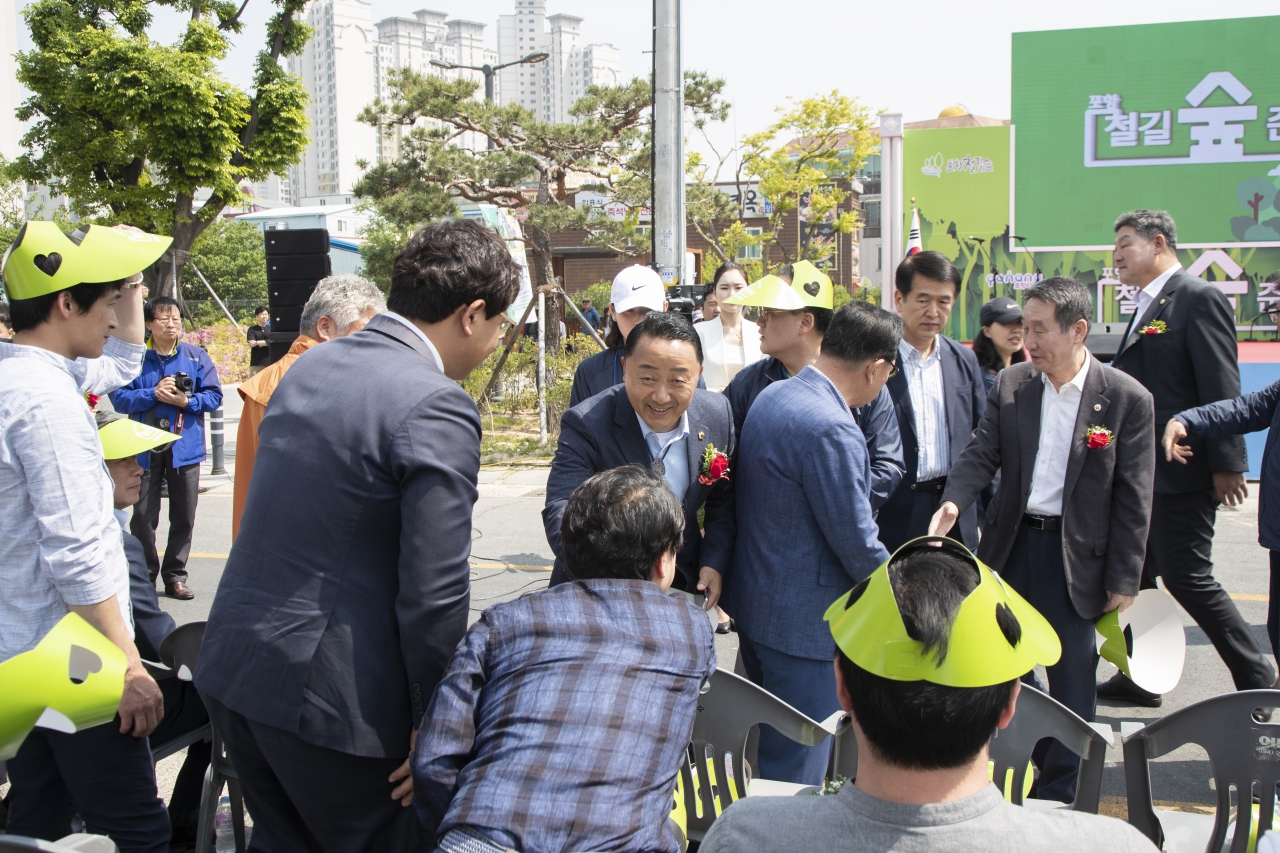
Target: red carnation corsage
{"type": "Point", "coordinates": [715, 466]}
{"type": "Point", "coordinates": [1099, 437]}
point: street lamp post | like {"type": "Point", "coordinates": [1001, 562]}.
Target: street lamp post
{"type": "Point", "coordinates": [489, 70]}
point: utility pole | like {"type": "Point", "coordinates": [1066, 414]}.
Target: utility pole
{"type": "Point", "coordinates": [668, 148]}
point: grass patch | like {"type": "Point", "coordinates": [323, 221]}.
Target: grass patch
{"type": "Point", "coordinates": [508, 437]}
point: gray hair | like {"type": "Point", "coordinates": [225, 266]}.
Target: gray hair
{"type": "Point", "coordinates": [1148, 223]}
{"type": "Point", "coordinates": [1070, 300]}
{"type": "Point", "coordinates": [341, 298]}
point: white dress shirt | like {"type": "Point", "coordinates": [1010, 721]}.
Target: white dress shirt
{"type": "Point", "coordinates": [671, 447]}
{"type": "Point", "coordinates": [1148, 295]}
{"type": "Point", "coordinates": [434, 352]}
{"type": "Point", "coordinates": [59, 540]}
{"type": "Point", "coordinates": [1058, 411]}
{"type": "Point", "coordinates": [929, 410]}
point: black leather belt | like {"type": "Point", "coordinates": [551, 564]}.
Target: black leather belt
{"type": "Point", "coordinates": [931, 486]}
{"type": "Point", "coordinates": [1051, 523]}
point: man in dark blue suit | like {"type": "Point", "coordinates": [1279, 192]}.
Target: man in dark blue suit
{"type": "Point", "coordinates": [805, 527]}
{"type": "Point", "coordinates": [348, 587]}
{"type": "Point", "coordinates": [939, 396]}
{"type": "Point", "coordinates": [660, 419]}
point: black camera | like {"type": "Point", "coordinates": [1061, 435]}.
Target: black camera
{"type": "Point", "coordinates": [182, 382]}
{"type": "Point", "coordinates": [681, 299]}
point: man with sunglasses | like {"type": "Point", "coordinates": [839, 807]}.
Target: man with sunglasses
{"type": "Point", "coordinates": [792, 324]}
{"type": "Point", "coordinates": [804, 523]}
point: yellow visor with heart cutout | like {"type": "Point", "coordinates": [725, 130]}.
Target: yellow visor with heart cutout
{"type": "Point", "coordinates": [768, 292]}
{"type": "Point", "coordinates": [871, 633]}
{"type": "Point", "coordinates": [45, 260]}
{"type": "Point", "coordinates": [812, 285]}
{"type": "Point", "coordinates": [123, 438]}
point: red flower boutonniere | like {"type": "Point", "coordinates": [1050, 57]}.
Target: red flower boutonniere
{"type": "Point", "coordinates": [92, 400]}
{"type": "Point", "coordinates": [715, 466]}
{"type": "Point", "coordinates": [1099, 437]}
{"type": "Point", "coordinates": [1155, 327]}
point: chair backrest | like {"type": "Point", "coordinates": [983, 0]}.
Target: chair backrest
{"type": "Point", "coordinates": [1244, 752]}
{"type": "Point", "coordinates": [182, 649]}
{"type": "Point", "coordinates": [727, 711]}
{"type": "Point", "coordinates": [1041, 716]}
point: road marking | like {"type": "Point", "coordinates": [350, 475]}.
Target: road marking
{"type": "Point", "coordinates": [1248, 596]}
{"type": "Point", "coordinates": [204, 556]}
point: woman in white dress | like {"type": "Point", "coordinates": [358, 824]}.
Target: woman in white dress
{"type": "Point", "coordinates": [728, 343]}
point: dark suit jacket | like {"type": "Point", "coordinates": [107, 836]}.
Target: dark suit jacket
{"type": "Point", "coordinates": [966, 400]}
{"type": "Point", "coordinates": [1106, 497]}
{"type": "Point", "coordinates": [1191, 364]}
{"type": "Point", "coordinates": [877, 420]}
{"type": "Point", "coordinates": [150, 624]}
{"type": "Point", "coordinates": [347, 589]}
{"type": "Point", "coordinates": [603, 433]}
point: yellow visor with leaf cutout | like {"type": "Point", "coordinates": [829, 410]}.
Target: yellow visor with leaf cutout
{"type": "Point", "coordinates": [123, 438]}
{"type": "Point", "coordinates": [768, 292]}
{"type": "Point", "coordinates": [72, 680]}
{"type": "Point", "coordinates": [45, 260]}
{"type": "Point", "coordinates": [871, 633]}
{"type": "Point", "coordinates": [812, 285]}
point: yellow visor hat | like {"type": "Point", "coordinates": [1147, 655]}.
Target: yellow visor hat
{"type": "Point", "coordinates": [812, 285]}
{"type": "Point", "coordinates": [768, 292]}
{"type": "Point", "coordinates": [72, 680]}
{"type": "Point", "coordinates": [45, 260]}
{"type": "Point", "coordinates": [123, 438]}
{"type": "Point", "coordinates": [871, 633]}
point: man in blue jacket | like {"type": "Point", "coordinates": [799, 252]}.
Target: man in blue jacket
{"type": "Point", "coordinates": [178, 384]}
{"type": "Point", "coordinates": [805, 532]}
{"type": "Point", "coordinates": [1248, 413]}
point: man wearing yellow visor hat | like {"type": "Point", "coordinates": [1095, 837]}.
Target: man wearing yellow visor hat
{"type": "Point", "coordinates": [795, 309]}
{"type": "Point", "coordinates": [60, 544]}
{"type": "Point", "coordinates": [929, 653]}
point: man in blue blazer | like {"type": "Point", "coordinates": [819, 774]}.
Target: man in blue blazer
{"type": "Point", "coordinates": [805, 529]}
{"type": "Point", "coordinates": [939, 396]}
{"type": "Point", "coordinates": [660, 419]}
{"type": "Point", "coordinates": [347, 590]}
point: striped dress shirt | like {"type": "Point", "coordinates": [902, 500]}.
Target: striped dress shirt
{"type": "Point", "coordinates": [929, 410]}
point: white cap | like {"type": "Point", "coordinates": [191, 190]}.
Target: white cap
{"type": "Point", "coordinates": [637, 287]}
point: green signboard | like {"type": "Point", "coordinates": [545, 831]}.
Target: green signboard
{"type": "Point", "coordinates": [1183, 117]}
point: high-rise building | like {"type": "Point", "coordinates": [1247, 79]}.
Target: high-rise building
{"type": "Point", "coordinates": [550, 88]}
{"type": "Point", "coordinates": [338, 67]}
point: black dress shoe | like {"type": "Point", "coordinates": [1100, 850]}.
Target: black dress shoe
{"type": "Point", "coordinates": [1121, 689]}
{"type": "Point", "coordinates": [179, 590]}
{"type": "Point", "coordinates": [722, 627]}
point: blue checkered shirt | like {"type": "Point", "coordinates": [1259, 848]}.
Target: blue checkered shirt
{"type": "Point", "coordinates": [563, 718]}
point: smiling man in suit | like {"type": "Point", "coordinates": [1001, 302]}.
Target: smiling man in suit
{"type": "Point", "coordinates": [1074, 441]}
{"type": "Point", "coordinates": [938, 394]}
{"type": "Point", "coordinates": [1181, 345]}
{"type": "Point", "coordinates": [660, 419]}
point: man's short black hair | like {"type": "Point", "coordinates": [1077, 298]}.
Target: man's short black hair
{"type": "Point", "coordinates": [821, 318]}
{"type": "Point", "coordinates": [860, 331]}
{"type": "Point", "coordinates": [149, 309]}
{"type": "Point", "coordinates": [1070, 299]}
{"type": "Point", "coordinates": [260, 309]}
{"type": "Point", "coordinates": [915, 724]}
{"type": "Point", "coordinates": [618, 523]}
{"type": "Point", "coordinates": [666, 326]}
{"type": "Point", "coordinates": [449, 264]}
{"type": "Point", "coordinates": [933, 265]}
{"type": "Point", "coordinates": [1148, 223]}
{"type": "Point", "coordinates": [26, 314]}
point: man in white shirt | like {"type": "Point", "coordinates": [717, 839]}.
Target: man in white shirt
{"type": "Point", "coordinates": [938, 395]}
{"type": "Point", "coordinates": [1074, 442]}
{"type": "Point", "coordinates": [60, 546]}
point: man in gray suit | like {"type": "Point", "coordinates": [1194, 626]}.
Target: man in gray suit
{"type": "Point", "coordinates": [1074, 442]}
{"type": "Point", "coordinates": [348, 587]}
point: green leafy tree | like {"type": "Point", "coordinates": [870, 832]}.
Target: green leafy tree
{"type": "Point", "coordinates": [823, 139]}
{"type": "Point", "coordinates": [233, 257]}
{"type": "Point", "coordinates": [529, 167]}
{"type": "Point", "coordinates": [133, 130]}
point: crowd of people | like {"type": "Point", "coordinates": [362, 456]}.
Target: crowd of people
{"type": "Point", "coordinates": [798, 472]}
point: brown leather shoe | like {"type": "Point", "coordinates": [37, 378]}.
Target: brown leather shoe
{"type": "Point", "coordinates": [179, 590]}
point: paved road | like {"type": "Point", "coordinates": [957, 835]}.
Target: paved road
{"type": "Point", "coordinates": [510, 556]}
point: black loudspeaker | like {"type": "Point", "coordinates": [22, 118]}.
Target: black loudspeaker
{"type": "Point", "coordinates": [290, 292]}
{"type": "Point", "coordinates": [297, 267]}
{"type": "Point", "coordinates": [1104, 340]}
{"type": "Point", "coordinates": [278, 350]}
{"type": "Point", "coordinates": [305, 241]}
{"type": "Point", "coordinates": [285, 318]}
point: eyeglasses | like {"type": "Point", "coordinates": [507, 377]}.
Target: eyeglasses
{"type": "Point", "coordinates": [767, 314]}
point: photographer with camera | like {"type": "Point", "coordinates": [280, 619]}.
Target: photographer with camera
{"type": "Point", "coordinates": [178, 384]}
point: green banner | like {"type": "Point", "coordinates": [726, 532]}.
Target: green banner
{"type": "Point", "coordinates": [1183, 117]}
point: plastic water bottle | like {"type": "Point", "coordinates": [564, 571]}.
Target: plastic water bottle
{"type": "Point", "coordinates": [224, 833]}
